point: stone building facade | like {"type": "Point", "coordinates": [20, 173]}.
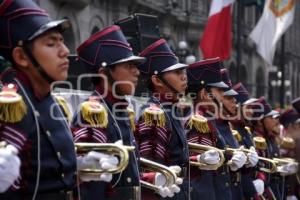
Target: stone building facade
{"type": "Point", "coordinates": [184, 20]}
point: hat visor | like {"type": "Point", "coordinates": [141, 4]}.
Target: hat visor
{"type": "Point", "coordinates": [59, 24]}
{"type": "Point", "coordinates": [173, 67]}
{"type": "Point", "coordinates": [218, 85]}
{"type": "Point", "coordinates": [249, 101]}
{"type": "Point", "coordinates": [230, 92]}
{"type": "Point", "coordinates": [273, 113]}
{"type": "Point", "coordinates": [136, 59]}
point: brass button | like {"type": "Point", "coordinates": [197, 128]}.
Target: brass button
{"type": "Point", "coordinates": [235, 184]}
{"type": "Point", "coordinates": [58, 154]}
{"type": "Point", "coordinates": [128, 179]}
{"type": "Point", "coordinates": [48, 133]}
{"type": "Point", "coordinates": [62, 175]}
{"type": "Point", "coordinates": [227, 184]}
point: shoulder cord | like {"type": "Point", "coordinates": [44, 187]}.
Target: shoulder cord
{"type": "Point", "coordinates": [120, 135]}
{"type": "Point", "coordinates": [38, 140]}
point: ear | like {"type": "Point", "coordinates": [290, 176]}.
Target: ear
{"type": "Point", "coordinates": [203, 94]}
{"type": "Point", "coordinates": [156, 81]}
{"type": "Point", "coordinates": [20, 57]}
{"type": "Point", "coordinates": [101, 70]}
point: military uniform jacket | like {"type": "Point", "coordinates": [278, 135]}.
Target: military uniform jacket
{"type": "Point", "coordinates": [227, 183]}
{"type": "Point", "coordinates": [166, 145]}
{"type": "Point", "coordinates": [118, 128]}
{"type": "Point", "coordinates": [202, 180]}
{"type": "Point", "coordinates": [272, 181]}
{"type": "Point", "coordinates": [248, 174]}
{"type": "Point", "coordinates": [44, 141]}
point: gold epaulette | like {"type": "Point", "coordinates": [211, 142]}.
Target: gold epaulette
{"type": "Point", "coordinates": [287, 143]}
{"type": "Point", "coordinates": [94, 113]}
{"type": "Point", "coordinates": [131, 115]}
{"type": "Point", "coordinates": [64, 106]}
{"type": "Point", "coordinates": [260, 143]}
{"type": "Point", "coordinates": [236, 135]}
{"type": "Point", "coordinates": [199, 122]}
{"type": "Point", "coordinates": [248, 129]}
{"type": "Point", "coordinates": [154, 115]}
{"type": "Point", "coordinates": [12, 105]}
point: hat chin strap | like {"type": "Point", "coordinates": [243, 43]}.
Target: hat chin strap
{"type": "Point", "coordinates": [167, 84]}
{"type": "Point", "coordinates": [38, 67]}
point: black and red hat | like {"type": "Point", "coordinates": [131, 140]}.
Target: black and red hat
{"type": "Point", "coordinates": [22, 21]}
{"type": "Point", "coordinates": [243, 96]}
{"type": "Point", "coordinates": [106, 48]}
{"type": "Point", "coordinates": [160, 59]}
{"type": "Point", "coordinates": [227, 81]}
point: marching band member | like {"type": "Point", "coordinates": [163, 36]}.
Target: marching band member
{"type": "Point", "coordinates": [103, 118]}
{"type": "Point", "coordinates": [31, 119]}
{"type": "Point", "coordinates": [159, 132]}
{"type": "Point", "coordinates": [204, 82]}
{"type": "Point", "coordinates": [252, 187]}
{"type": "Point", "coordinates": [228, 112]}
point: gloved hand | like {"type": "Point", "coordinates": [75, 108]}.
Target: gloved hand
{"type": "Point", "coordinates": [237, 161]}
{"type": "Point", "coordinates": [96, 160]}
{"type": "Point", "coordinates": [291, 197]}
{"type": "Point", "coordinates": [165, 191]}
{"type": "Point", "coordinates": [252, 157]}
{"type": "Point", "coordinates": [288, 169]}
{"type": "Point", "coordinates": [9, 167]}
{"type": "Point", "coordinates": [210, 157]}
{"type": "Point", "coordinates": [259, 186]}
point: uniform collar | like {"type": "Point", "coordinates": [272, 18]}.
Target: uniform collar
{"type": "Point", "coordinates": [111, 99]}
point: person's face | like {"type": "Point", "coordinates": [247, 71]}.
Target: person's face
{"type": "Point", "coordinates": [217, 93]}
{"type": "Point", "coordinates": [247, 112]}
{"type": "Point", "coordinates": [272, 125]}
{"type": "Point", "coordinates": [229, 103]}
{"type": "Point", "coordinates": [177, 79]}
{"type": "Point", "coordinates": [125, 76]}
{"type": "Point", "coordinates": [52, 54]}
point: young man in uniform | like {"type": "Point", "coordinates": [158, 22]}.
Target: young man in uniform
{"type": "Point", "coordinates": [103, 118]}
{"type": "Point", "coordinates": [159, 132]}
{"type": "Point", "coordinates": [33, 43]}
{"type": "Point", "coordinates": [206, 88]}
{"type": "Point", "coordinates": [252, 187]}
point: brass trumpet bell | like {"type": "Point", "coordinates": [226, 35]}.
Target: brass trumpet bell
{"type": "Point", "coordinates": [199, 148]}
{"type": "Point", "coordinates": [121, 151]}
{"type": "Point", "coordinates": [152, 166]}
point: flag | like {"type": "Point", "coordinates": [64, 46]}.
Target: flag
{"type": "Point", "coordinates": [277, 16]}
{"type": "Point", "coordinates": [216, 39]}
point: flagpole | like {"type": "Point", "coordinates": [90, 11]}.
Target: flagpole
{"type": "Point", "coordinates": [282, 68]}
{"type": "Point", "coordinates": [238, 44]}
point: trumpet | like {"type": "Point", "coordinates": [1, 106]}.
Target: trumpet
{"type": "Point", "coordinates": [272, 163]}
{"type": "Point", "coordinates": [108, 148]}
{"type": "Point", "coordinates": [156, 167]}
{"type": "Point", "coordinates": [284, 161]}
{"type": "Point", "coordinates": [199, 148]}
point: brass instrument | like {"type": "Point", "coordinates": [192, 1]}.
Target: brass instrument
{"type": "Point", "coordinates": [272, 163]}
{"type": "Point", "coordinates": [152, 166]}
{"type": "Point", "coordinates": [284, 161]}
{"type": "Point", "coordinates": [199, 148]}
{"type": "Point", "coordinates": [108, 148]}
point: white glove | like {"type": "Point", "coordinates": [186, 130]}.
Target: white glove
{"type": "Point", "coordinates": [9, 167]}
{"type": "Point", "coordinates": [288, 169]}
{"type": "Point", "coordinates": [291, 197]}
{"type": "Point", "coordinates": [176, 169]}
{"type": "Point", "coordinates": [96, 160]}
{"type": "Point", "coordinates": [259, 186]}
{"type": "Point", "coordinates": [252, 157]}
{"type": "Point", "coordinates": [210, 157]}
{"type": "Point", "coordinates": [237, 161]}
